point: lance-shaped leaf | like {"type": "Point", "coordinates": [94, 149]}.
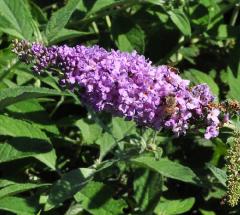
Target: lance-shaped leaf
{"type": "Point", "coordinates": [27, 141]}
{"type": "Point", "coordinates": [16, 19]}
{"type": "Point", "coordinates": [168, 168]}
{"type": "Point", "coordinates": [219, 174]}
{"type": "Point", "coordinates": [32, 111]}
{"type": "Point", "coordinates": [174, 207]}
{"type": "Point", "coordinates": [18, 205]}
{"type": "Point", "coordinates": [181, 21]}
{"type": "Point", "coordinates": [60, 18]}
{"type": "Point", "coordinates": [10, 96]}
{"type": "Point", "coordinates": [67, 186]}
{"type": "Point", "coordinates": [13, 189]}
{"type": "Point", "coordinates": [97, 198]}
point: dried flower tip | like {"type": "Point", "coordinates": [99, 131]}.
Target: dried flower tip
{"type": "Point", "coordinates": [23, 50]}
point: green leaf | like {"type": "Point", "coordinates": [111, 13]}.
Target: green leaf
{"type": "Point", "coordinates": [205, 212]}
{"type": "Point", "coordinates": [18, 188]}
{"type": "Point", "coordinates": [199, 17]}
{"type": "Point", "coordinates": [97, 199]}
{"type": "Point", "coordinates": [220, 150]}
{"type": "Point", "coordinates": [173, 207]}
{"type": "Point", "coordinates": [22, 76]}
{"type": "Point", "coordinates": [74, 209]}
{"type": "Point", "coordinates": [219, 174]}
{"type": "Point", "coordinates": [99, 5]}
{"type": "Point", "coordinates": [10, 96]}
{"type": "Point", "coordinates": [7, 62]}
{"type": "Point", "coordinates": [93, 7]}
{"type": "Point", "coordinates": [106, 143]}
{"type": "Point", "coordinates": [233, 72]}
{"type": "Point", "coordinates": [189, 53]}
{"type": "Point", "coordinates": [224, 32]}
{"type": "Point", "coordinates": [67, 186]}
{"type": "Point", "coordinates": [16, 19]}
{"type": "Point", "coordinates": [216, 192]}
{"type": "Point", "coordinates": [181, 21]}
{"type": "Point", "coordinates": [28, 141]}
{"type": "Point", "coordinates": [60, 18]}
{"type": "Point", "coordinates": [7, 59]}
{"type": "Point", "coordinates": [38, 13]}
{"type": "Point", "coordinates": [198, 77]}
{"type": "Point", "coordinates": [52, 81]}
{"type": "Point", "coordinates": [18, 205]}
{"type": "Point", "coordinates": [33, 111]}
{"type": "Point", "coordinates": [156, 2]}
{"type": "Point", "coordinates": [65, 34]}
{"type": "Point", "coordinates": [90, 131]}
{"type": "Point", "coordinates": [15, 149]}
{"type": "Point", "coordinates": [233, 82]}
{"type": "Point", "coordinates": [147, 189]}
{"type": "Point", "coordinates": [121, 128]}
{"type": "Point", "coordinates": [215, 11]}
{"type": "Point", "coordinates": [168, 168]}
{"type": "Point", "coordinates": [128, 36]}
{"type": "Point", "coordinates": [5, 182]}
{"type": "Point", "coordinates": [19, 128]}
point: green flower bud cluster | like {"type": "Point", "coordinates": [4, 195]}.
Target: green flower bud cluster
{"type": "Point", "coordinates": [233, 170]}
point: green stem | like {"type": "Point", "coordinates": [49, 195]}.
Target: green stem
{"type": "Point", "coordinates": [57, 106]}
{"type": "Point", "coordinates": [108, 21]}
{"type": "Point", "coordinates": [95, 27]}
{"type": "Point", "coordinates": [235, 15]}
{"type": "Point", "coordinates": [154, 137]}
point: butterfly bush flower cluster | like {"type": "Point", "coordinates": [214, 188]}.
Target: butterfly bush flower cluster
{"type": "Point", "coordinates": [127, 85]}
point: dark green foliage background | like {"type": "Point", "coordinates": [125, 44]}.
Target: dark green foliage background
{"type": "Point", "coordinates": [59, 157]}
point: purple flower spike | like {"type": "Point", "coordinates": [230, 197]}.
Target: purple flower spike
{"type": "Point", "coordinates": [128, 85]}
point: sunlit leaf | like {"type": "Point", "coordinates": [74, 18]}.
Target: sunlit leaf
{"type": "Point", "coordinates": [127, 35]}
{"type": "Point", "coordinates": [90, 131]}
{"type": "Point", "coordinates": [65, 34]}
{"type": "Point", "coordinates": [60, 18]}
{"type": "Point", "coordinates": [16, 19]}
{"type": "Point", "coordinates": [181, 21]}
{"type": "Point", "coordinates": [67, 186]}
{"type": "Point", "coordinates": [147, 188]}
{"type": "Point", "coordinates": [97, 199]}
{"type": "Point", "coordinates": [28, 141]}
{"type": "Point", "coordinates": [219, 174]}
{"type": "Point", "coordinates": [106, 143]}
{"type": "Point", "coordinates": [19, 205]}
{"type": "Point", "coordinates": [33, 111]}
{"type": "Point", "coordinates": [13, 189]}
{"type": "Point", "coordinates": [168, 168]}
{"type": "Point", "coordinates": [122, 128]}
{"type": "Point", "coordinates": [10, 96]}
{"type": "Point", "coordinates": [174, 207]}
